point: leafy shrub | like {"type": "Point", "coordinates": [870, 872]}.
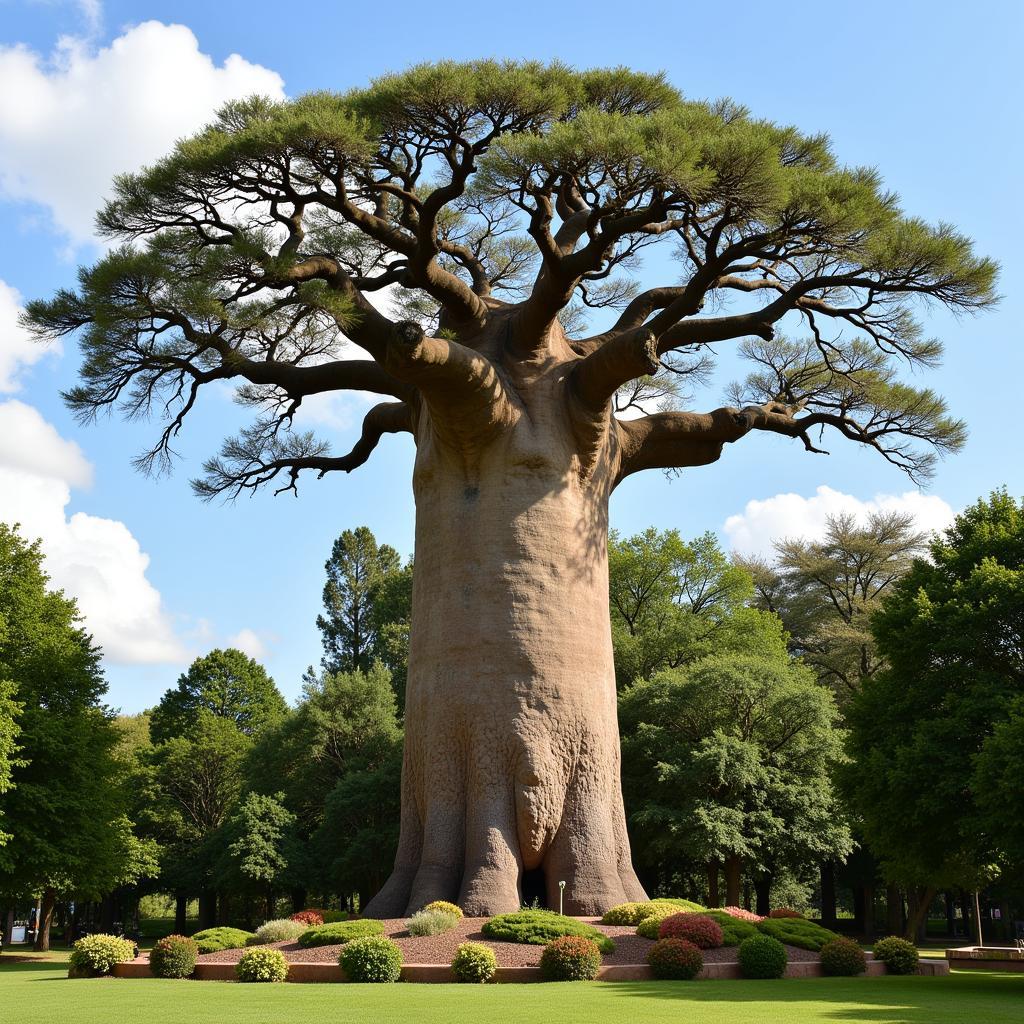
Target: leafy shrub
{"type": "Point", "coordinates": [445, 907]}
{"type": "Point", "coordinates": [734, 929]}
{"type": "Point", "coordinates": [431, 922]}
{"type": "Point", "coordinates": [742, 915]}
{"type": "Point", "coordinates": [797, 931]}
{"type": "Point", "coordinates": [627, 913]}
{"type": "Point", "coordinates": [474, 962]}
{"type": "Point", "coordinates": [675, 960]}
{"type": "Point", "coordinates": [96, 954]}
{"type": "Point", "coordinates": [281, 929]}
{"type": "Point", "coordinates": [340, 932]}
{"type": "Point", "coordinates": [570, 958]}
{"type": "Point", "coordinates": [843, 958]}
{"type": "Point", "coordinates": [898, 955]}
{"type": "Point", "coordinates": [761, 956]}
{"type": "Point", "coordinates": [334, 916]}
{"type": "Point", "coordinates": [213, 940]}
{"type": "Point", "coordinates": [539, 927]}
{"type": "Point", "coordinates": [261, 965]}
{"type": "Point", "coordinates": [699, 929]}
{"type": "Point", "coordinates": [665, 902]}
{"type": "Point", "coordinates": [371, 958]}
{"type": "Point", "coordinates": [310, 918]}
{"type": "Point", "coordinates": [649, 926]}
{"type": "Point", "coordinates": [174, 957]}
{"type": "Point", "coordinates": [780, 912]}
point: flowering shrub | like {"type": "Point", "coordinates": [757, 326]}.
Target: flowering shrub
{"type": "Point", "coordinates": [96, 954]}
{"type": "Point", "coordinates": [266, 965]}
{"type": "Point", "coordinates": [742, 915]}
{"type": "Point", "coordinates": [675, 960]}
{"type": "Point", "coordinates": [310, 918]}
{"type": "Point", "coordinates": [761, 956]}
{"type": "Point", "coordinates": [898, 955]}
{"type": "Point", "coordinates": [173, 956]}
{"type": "Point", "coordinates": [213, 940]}
{"type": "Point", "coordinates": [699, 929]}
{"type": "Point", "coordinates": [431, 922]}
{"type": "Point", "coordinates": [734, 929]}
{"type": "Point", "coordinates": [281, 929]}
{"type": "Point", "coordinates": [843, 958]}
{"type": "Point", "coordinates": [784, 912]}
{"type": "Point", "coordinates": [570, 958]}
{"type": "Point", "coordinates": [474, 962]}
{"type": "Point", "coordinates": [372, 958]}
{"type": "Point", "coordinates": [339, 933]}
{"type": "Point", "coordinates": [444, 907]}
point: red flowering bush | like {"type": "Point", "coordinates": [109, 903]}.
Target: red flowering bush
{"type": "Point", "coordinates": [699, 929]}
{"type": "Point", "coordinates": [675, 960]}
{"type": "Point", "coordinates": [570, 958]}
{"type": "Point", "coordinates": [785, 912]}
{"type": "Point", "coordinates": [311, 918]}
{"type": "Point", "coordinates": [742, 915]}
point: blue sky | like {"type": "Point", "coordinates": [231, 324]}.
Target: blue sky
{"type": "Point", "coordinates": [928, 92]}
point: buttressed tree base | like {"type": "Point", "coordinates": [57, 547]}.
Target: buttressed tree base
{"type": "Point", "coordinates": [486, 207]}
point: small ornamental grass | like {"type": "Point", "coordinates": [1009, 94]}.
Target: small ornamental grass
{"type": "Point", "coordinates": [262, 965]}
{"type": "Point", "coordinates": [734, 929]}
{"type": "Point", "coordinates": [310, 918]}
{"type": "Point", "coordinates": [699, 929]}
{"type": "Point", "coordinates": [281, 929]}
{"type": "Point", "coordinates": [173, 956]}
{"type": "Point", "coordinates": [539, 927]}
{"type": "Point", "coordinates": [371, 959]}
{"type": "Point", "coordinates": [898, 955]}
{"type": "Point", "coordinates": [570, 958]}
{"type": "Point", "coordinates": [431, 922]}
{"type": "Point", "coordinates": [843, 958]}
{"type": "Point", "coordinates": [444, 907]}
{"type": "Point", "coordinates": [675, 960]}
{"type": "Point", "coordinates": [213, 940]}
{"type": "Point", "coordinates": [340, 932]}
{"type": "Point", "coordinates": [761, 956]}
{"type": "Point", "coordinates": [96, 955]}
{"type": "Point", "coordinates": [797, 931]}
{"type": "Point", "coordinates": [474, 963]}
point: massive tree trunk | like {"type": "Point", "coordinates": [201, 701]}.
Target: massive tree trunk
{"type": "Point", "coordinates": [512, 745]}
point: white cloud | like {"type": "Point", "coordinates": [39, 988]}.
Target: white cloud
{"type": "Point", "coordinates": [69, 123]}
{"type": "Point", "coordinates": [249, 642]}
{"type": "Point", "coordinates": [17, 349]}
{"type": "Point", "coordinates": [792, 515]}
{"type": "Point", "coordinates": [30, 444]}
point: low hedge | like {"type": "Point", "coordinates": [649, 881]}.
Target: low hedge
{"type": "Point", "coordinates": [539, 927]}
{"type": "Point", "coordinates": [213, 940]}
{"type": "Point", "coordinates": [173, 956]}
{"type": "Point", "coordinates": [761, 956]}
{"type": "Point", "coordinates": [898, 955]}
{"type": "Point", "coordinates": [797, 931]}
{"type": "Point", "coordinates": [570, 958]}
{"type": "Point", "coordinates": [371, 959]}
{"type": "Point", "coordinates": [340, 932]}
{"type": "Point", "coordinates": [675, 960]}
{"type": "Point", "coordinates": [843, 958]}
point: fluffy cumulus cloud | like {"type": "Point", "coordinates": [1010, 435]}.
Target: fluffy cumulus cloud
{"type": "Point", "coordinates": [17, 350]}
{"type": "Point", "coordinates": [792, 515]}
{"type": "Point", "coordinates": [248, 641]}
{"type": "Point", "coordinates": [70, 122]}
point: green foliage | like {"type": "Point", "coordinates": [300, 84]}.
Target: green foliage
{"type": "Point", "coordinates": [173, 956]}
{"type": "Point", "coordinates": [539, 927]}
{"type": "Point", "coordinates": [843, 958]}
{"type": "Point", "coordinates": [797, 931]}
{"type": "Point", "coordinates": [474, 963]}
{"type": "Point", "coordinates": [627, 913]}
{"type": "Point", "coordinates": [570, 958]}
{"type": "Point", "coordinates": [700, 929]}
{"type": "Point", "coordinates": [371, 959]}
{"type": "Point", "coordinates": [431, 922]}
{"type": "Point", "coordinates": [259, 841]}
{"type": "Point", "coordinates": [734, 929]}
{"type": "Point", "coordinates": [334, 916]}
{"type": "Point", "coordinates": [10, 709]}
{"type": "Point", "coordinates": [262, 965]}
{"type": "Point", "coordinates": [762, 956]}
{"type": "Point", "coordinates": [443, 906]}
{"type": "Point", "coordinates": [281, 929]}
{"type": "Point", "coordinates": [225, 683]}
{"type": "Point", "coordinates": [651, 914]}
{"type": "Point", "coordinates": [675, 959]}
{"type": "Point", "coordinates": [213, 940]}
{"type": "Point", "coordinates": [898, 955]}
{"type": "Point", "coordinates": [96, 954]}
{"type": "Point", "coordinates": [339, 932]}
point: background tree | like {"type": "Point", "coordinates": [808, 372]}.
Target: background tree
{"type": "Point", "coordinates": [226, 683]}
{"type": "Point", "coordinates": [10, 709]}
{"type": "Point", "coordinates": [951, 633]}
{"type": "Point", "coordinates": [493, 195]}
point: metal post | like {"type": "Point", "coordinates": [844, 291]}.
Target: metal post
{"type": "Point", "coordinates": [561, 892]}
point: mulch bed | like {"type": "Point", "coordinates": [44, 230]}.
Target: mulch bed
{"type": "Point", "coordinates": [630, 948]}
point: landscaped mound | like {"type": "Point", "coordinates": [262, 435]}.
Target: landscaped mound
{"type": "Point", "coordinates": [761, 956]}
{"type": "Point", "coordinates": [734, 929]}
{"type": "Point", "coordinates": [174, 956]}
{"type": "Point", "coordinates": [898, 955]}
{"type": "Point", "coordinates": [96, 954]}
{"type": "Point", "coordinates": [570, 958]}
{"type": "Point", "coordinates": [797, 931]}
{"type": "Point", "coordinates": [339, 933]}
{"type": "Point", "coordinates": [634, 913]}
{"type": "Point", "coordinates": [213, 940]}
{"type": "Point", "coordinates": [843, 958]}
{"type": "Point", "coordinates": [372, 958]}
{"type": "Point", "coordinates": [281, 929]}
{"type": "Point", "coordinates": [539, 927]}
{"type": "Point", "coordinates": [699, 929]}
{"type": "Point", "coordinates": [675, 960]}
{"type": "Point", "coordinates": [474, 963]}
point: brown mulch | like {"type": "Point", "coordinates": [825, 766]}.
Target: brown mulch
{"type": "Point", "coordinates": [630, 948]}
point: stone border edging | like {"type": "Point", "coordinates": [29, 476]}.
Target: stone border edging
{"type": "Point", "coordinates": [986, 958]}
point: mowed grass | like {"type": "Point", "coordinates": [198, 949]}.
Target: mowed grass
{"type": "Point", "coordinates": [39, 993]}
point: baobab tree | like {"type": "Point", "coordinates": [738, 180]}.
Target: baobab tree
{"type": "Point", "coordinates": [485, 206]}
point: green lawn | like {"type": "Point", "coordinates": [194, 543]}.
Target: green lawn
{"type": "Point", "coordinates": [40, 994]}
